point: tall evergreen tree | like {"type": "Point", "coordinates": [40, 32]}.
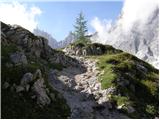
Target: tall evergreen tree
{"type": "Point", "coordinates": [80, 28]}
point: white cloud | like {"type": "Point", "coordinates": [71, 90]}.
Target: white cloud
{"type": "Point", "coordinates": [101, 27]}
{"type": "Point", "coordinates": [137, 10]}
{"type": "Point", "coordinates": [133, 11]}
{"type": "Point", "coordinates": [20, 14]}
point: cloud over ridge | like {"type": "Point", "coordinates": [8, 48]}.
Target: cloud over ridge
{"type": "Point", "coordinates": [135, 30]}
{"type": "Point", "coordinates": [21, 14]}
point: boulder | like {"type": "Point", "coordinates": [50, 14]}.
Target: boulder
{"type": "Point", "coordinates": [111, 90]}
{"type": "Point", "coordinates": [79, 52]}
{"type": "Point", "coordinates": [6, 85]}
{"type": "Point", "coordinates": [130, 109]}
{"type": "Point", "coordinates": [37, 74]}
{"type": "Point", "coordinates": [19, 89]}
{"type": "Point", "coordinates": [27, 78]}
{"type": "Point", "coordinates": [18, 58]}
{"type": "Point", "coordinates": [40, 91]}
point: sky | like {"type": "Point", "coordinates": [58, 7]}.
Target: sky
{"type": "Point", "coordinates": [58, 18]}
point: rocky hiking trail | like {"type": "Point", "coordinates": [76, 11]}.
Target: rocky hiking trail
{"type": "Point", "coordinates": [83, 92]}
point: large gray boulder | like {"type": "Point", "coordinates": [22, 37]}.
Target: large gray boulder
{"type": "Point", "coordinates": [27, 78]}
{"type": "Point", "coordinates": [41, 94]}
{"type": "Point", "coordinates": [18, 58]}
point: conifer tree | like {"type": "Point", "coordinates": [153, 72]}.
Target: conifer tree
{"type": "Point", "coordinates": [80, 28]}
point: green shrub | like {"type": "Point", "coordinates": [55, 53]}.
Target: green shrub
{"type": "Point", "coordinates": [151, 109]}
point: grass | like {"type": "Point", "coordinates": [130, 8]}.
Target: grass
{"type": "Point", "coordinates": [6, 51]}
{"type": "Point", "coordinates": [122, 65]}
{"type": "Point", "coordinates": [121, 100]}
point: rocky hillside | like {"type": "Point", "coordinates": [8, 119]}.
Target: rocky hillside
{"type": "Point", "coordinates": [126, 81]}
{"type": "Point", "coordinates": [82, 81]}
{"type": "Point", "coordinates": [26, 61]}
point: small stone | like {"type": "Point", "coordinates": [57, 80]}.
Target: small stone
{"type": "Point", "coordinates": [37, 74]}
{"type": "Point", "coordinates": [130, 109]}
{"type": "Point", "coordinates": [33, 97]}
{"type": "Point", "coordinates": [120, 106]}
{"type": "Point", "coordinates": [27, 87]}
{"type": "Point", "coordinates": [6, 85]}
{"type": "Point", "coordinates": [9, 65]}
{"type": "Point", "coordinates": [19, 89]}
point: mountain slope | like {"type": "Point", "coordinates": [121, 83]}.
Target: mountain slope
{"type": "Point", "coordinates": [26, 62]}
{"type": "Point", "coordinates": [127, 80]}
{"type": "Point", "coordinates": [82, 81]}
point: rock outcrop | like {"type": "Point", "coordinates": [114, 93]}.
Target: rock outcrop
{"type": "Point", "coordinates": [89, 49]}
{"type": "Point", "coordinates": [26, 60]}
{"type": "Point", "coordinates": [18, 58]}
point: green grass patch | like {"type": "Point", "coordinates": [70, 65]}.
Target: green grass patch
{"type": "Point", "coordinates": [141, 90]}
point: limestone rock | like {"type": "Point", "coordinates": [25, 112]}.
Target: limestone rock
{"type": "Point", "coordinates": [18, 58]}
{"type": "Point", "coordinates": [27, 78]}
{"type": "Point", "coordinates": [19, 89]}
{"type": "Point", "coordinates": [130, 109]}
{"type": "Point", "coordinates": [37, 74]}
{"type": "Point", "coordinates": [39, 89]}
{"type": "Point", "coordinates": [6, 85]}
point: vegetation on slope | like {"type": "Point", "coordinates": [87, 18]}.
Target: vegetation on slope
{"type": "Point", "coordinates": [136, 83]}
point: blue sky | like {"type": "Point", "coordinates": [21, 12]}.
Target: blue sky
{"type": "Point", "coordinates": [58, 18]}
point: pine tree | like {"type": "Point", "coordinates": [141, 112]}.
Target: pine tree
{"type": "Point", "coordinates": [81, 28]}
